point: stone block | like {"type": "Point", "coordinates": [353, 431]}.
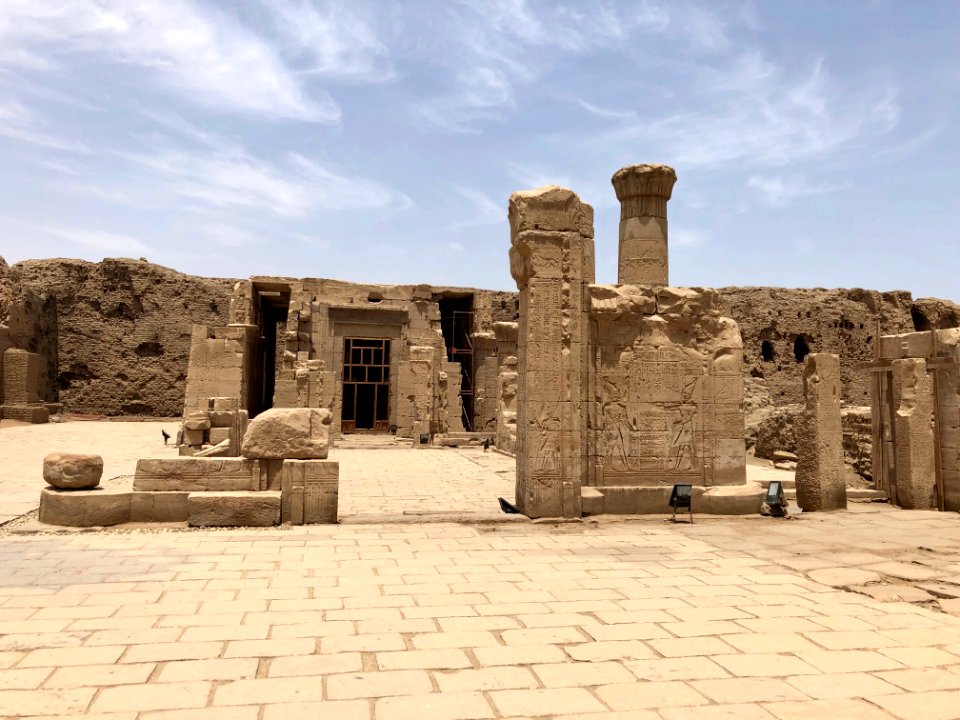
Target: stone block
{"type": "Point", "coordinates": [309, 491]}
{"type": "Point", "coordinates": [233, 509]}
{"type": "Point", "coordinates": [165, 507]}
{"type": "Point", "coordinates": [196, 474]}
{"type": "Point", "coordinates": [72, 471]}
{"type": "Point", "coordinates": [20, 377]}
{"type": "Point", "coordinates": [198, 420]}
{"type": "Point", "coordinates": [219, 434]}
{"type": "Point", "coordinates": [35, 414]}
{"type": "Point", "coordinates": [225, 404]}
{"type": "Point", "coordinates": [591, 500]}
{"type": "Point", "coordinates": [193, 438]}
{"type": "Point", "coordinates": [281, 433]}
{"type": "Point", "coordinates": [88, 508]}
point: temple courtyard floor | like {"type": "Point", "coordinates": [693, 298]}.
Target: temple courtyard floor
{"type": "Point", "coordinates": [399, 613]}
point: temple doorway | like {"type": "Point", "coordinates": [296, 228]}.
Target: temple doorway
{"type": "Point", "coordinates": [366, 385]}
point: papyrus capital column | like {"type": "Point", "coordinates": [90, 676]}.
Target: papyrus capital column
{"type": "Point", "coordinates": [643, 192]}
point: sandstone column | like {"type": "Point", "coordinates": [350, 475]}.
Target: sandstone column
{"type": "Point", "coordinates": [820, 482]}
{"type": "Point", "coordinates": [552, 261]}
{"type": "Point", "coordinates": [643, 191]}
{"type": "Point", "coordinates": [913, 428]}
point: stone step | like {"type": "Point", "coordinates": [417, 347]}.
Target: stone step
{"type": "Point", "coordinates": [853, 494]}
{"type": "Point", "coordinates": [233, 509]}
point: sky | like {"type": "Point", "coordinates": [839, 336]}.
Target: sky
{"type": "Point", "coordinates": [816, 143]}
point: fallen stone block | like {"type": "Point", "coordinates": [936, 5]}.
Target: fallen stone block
{"type": "Point", "coordinates": [233, 509]}
{"type": "Point", "coordinates": [72, 471]}
{"type": "Point", "coordinates": [88, 508]}
{"type": "Point", "coordinates": [194, 474]}
{"type": "Point", "coordinates": [281, 433]}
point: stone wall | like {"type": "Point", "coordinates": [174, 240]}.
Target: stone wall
{"type": "Point", "coordinates": [118, 331]}
{"type": "Point", "coordinates": [114, 337]}
{"type": "Point", "coordinates": [780, 326]}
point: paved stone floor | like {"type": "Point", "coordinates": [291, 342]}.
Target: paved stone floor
{"type": "Point", "coordinates": [843, 615]}
{"type": "Point", "coordinates": [23, 447]}
{"type": "Point", "coordinates": [605, 620]}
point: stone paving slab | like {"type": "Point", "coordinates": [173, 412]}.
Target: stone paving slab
{"type": "Point", "coordinates": [608, 620]}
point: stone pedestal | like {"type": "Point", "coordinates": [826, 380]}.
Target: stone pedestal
{"type": "Point", "coordinates": [913, 429]}
{"type": "Point", "coordinates": [820, 466]}
{"type": "Point", "coordinates": [643, 192]}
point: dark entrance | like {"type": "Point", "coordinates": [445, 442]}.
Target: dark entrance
{"type": "Point", "coordinates": [366, 385]}
{"type": "Point", "coordinates": [456, 323]}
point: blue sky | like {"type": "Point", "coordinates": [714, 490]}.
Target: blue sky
{"type": "Point", "coordinates": [816, 143]}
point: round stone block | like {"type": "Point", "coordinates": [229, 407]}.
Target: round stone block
{"type": "Point", "coordinates": [72, 471]}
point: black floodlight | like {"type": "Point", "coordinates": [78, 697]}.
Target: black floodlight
{"type": "Point", "coordinates": [393, 429]}
{"type": "Point", "coordinates": [682, 497]}
{"type": "Point", "coordinates": [486, 444]}
{"type": "Point", "coordinates": [775, 499]}
{"type": "Point", "coordinates": [424, 438]}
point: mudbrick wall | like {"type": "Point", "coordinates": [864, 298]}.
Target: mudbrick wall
{"type": "Point", "coordinates": [120, 330]}
{"type": "Point", "coordinates": [780, 326]}
{"type": "Point", "coordinates": [115, 335]}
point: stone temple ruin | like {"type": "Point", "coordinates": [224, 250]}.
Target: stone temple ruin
{"type": "Point", "coordinates": [607, 395]}
{"type": "Point", "coordinates": [624, 390]}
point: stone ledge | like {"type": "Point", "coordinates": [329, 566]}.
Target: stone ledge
{"type": "Point", "coordinates": [720, 500]}
{"type": "Point", "coordinates": [97, 507]}
{"type": "Point", "coordinates": [233, 509]}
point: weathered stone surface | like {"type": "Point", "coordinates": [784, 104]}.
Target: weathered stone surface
{"type": "Point", "coordinates": [820, 467]}
{"type": "Point", "coordinates": [158, 507]}
{"type": "Point", "coordinates": [72, 471]}
{"type": "Point", "coordinates": [281, 433]}
{"type": "Point", "coordinates": [234, 509]}
{"type": "Point", "coordinates": [643, 192]}
{"type": "Point", "coordinates": [309, 491]}
{"type": "Point", "coordinates": [196, 473]}
{"type": "Point", "coordinates": [94, 508]}
{"type": "Point", "coordinates": [140, 314]}
{"type": "Point", "coordinates": [913, 421]}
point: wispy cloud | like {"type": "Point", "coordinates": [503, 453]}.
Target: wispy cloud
{"type": "Point", "coordinates": [202, 54]}
{"type": "Point", "coordinates": [295, 187]}
{"type": "Point", "coordinates": [606, 112]}
{"type": "Point", "coordinates": [336, 39]}
{"type": "Point", "coordinates": [778, 190]}
{"type": "Point", "coordinates": [483, 210]}
{"type": "Point", "coordinates": [98, 240]}
{"type": "Point", "coordinates": [687, 237]}
{"type": "Point", "coordinates": [17, 122]}
{"type": "Point", "coordinates": [765, 116]}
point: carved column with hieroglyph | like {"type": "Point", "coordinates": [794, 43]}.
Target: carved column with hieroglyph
{"type": "Point", "coordinates": [552, 261]}
{"type": "Point", "coordinates": [643, 192]}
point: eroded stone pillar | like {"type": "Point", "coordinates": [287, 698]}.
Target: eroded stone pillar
{"type": "Point", "coordinates": [820, 467]}
{"type": "Point", "coordinates": [507, 380]}
{"type": "Point", "coordinates": [913, 429]}
{"type": "Point", "coordinates": [643, 192]}
{"type": "Point", "coordinates": [552, 261]}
